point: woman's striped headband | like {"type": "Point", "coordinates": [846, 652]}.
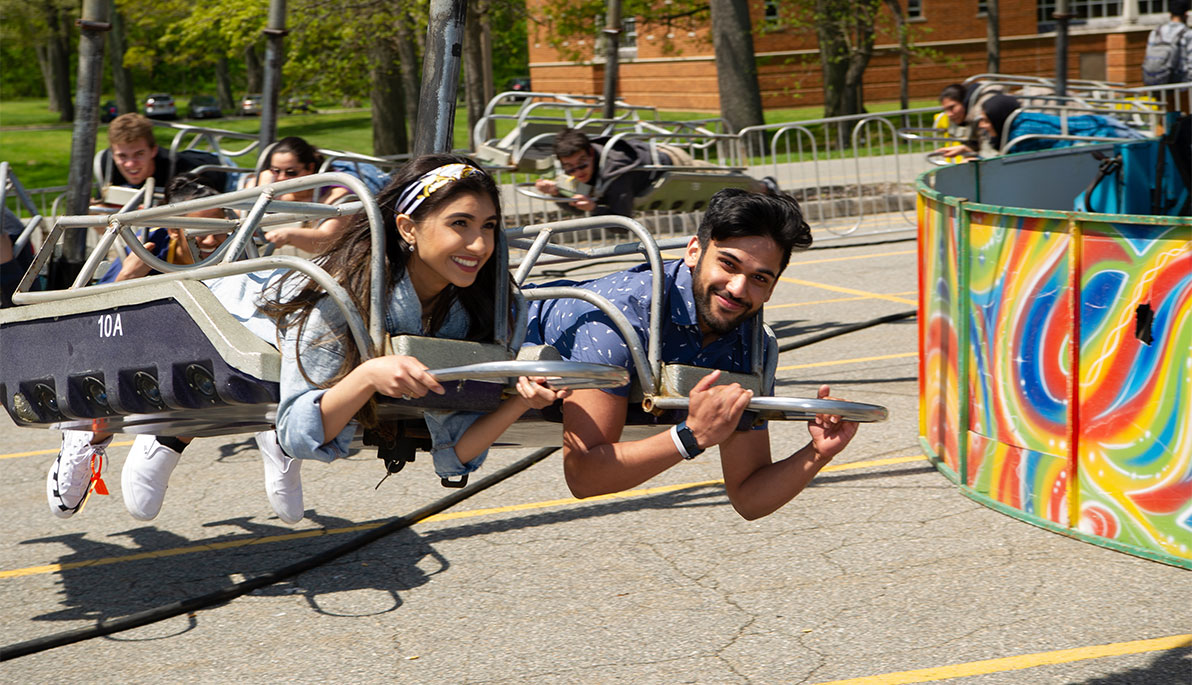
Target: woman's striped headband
{"type": "Point", "coordinates": [428, 183]}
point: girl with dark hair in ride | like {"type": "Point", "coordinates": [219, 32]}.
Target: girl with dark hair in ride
{"type": "Point", "coordinates": [293, 157]}
{"type": "Point", "coordinates": [441, 214]}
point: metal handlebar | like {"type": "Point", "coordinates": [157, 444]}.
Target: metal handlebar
{"type": "Point", "coordinates": [790, 408]}
{"type": "Point", "coordinates": [576, 375]}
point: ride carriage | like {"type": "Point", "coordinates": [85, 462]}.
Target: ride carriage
{"type": "Point", "coordinates": [161, 355]}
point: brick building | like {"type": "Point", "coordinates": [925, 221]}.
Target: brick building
{"type": "Point", "coordinates": [1107, 41]}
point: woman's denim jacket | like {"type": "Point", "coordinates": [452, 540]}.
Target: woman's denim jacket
{"type": "Point", "coordinates": [299, 419]}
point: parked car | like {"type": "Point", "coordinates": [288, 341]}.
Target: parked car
{"type": "Point", "coordinates": [251, 105]}
{"type": "Point", "coordinates": [519, 83]}
{"type": "Point", "coordinates": [203, 107]}
{"type": "Point", "coordinates": [300, 103]}
{"type": "Point", "coordinates": [160, 106]}
{"type": "Point", "coordinates": [108, 111]}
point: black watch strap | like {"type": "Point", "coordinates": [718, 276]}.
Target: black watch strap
{"type": "Point", "coordinates": [691, 448]}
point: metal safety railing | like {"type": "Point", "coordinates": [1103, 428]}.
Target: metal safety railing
{"type": "Point", "coordinates": [853, 175]}
{"type": "Point", "coordinates": [236, 255]}
{"type": "Point", "coordinates": [845, 171]}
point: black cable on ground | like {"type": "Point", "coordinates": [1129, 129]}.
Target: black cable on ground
{"type": "Point", "coordinates": [233, 591]}
{"type": "Point", "coordinates": [889, 318]}
{"type": "Point", "coordinates": [831, 246]}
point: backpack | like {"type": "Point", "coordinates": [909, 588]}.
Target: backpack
{"type": "Point", "coordinates": [1158, 66]}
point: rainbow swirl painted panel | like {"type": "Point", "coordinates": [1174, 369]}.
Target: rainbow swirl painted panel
{"type": "Point", "coordinates": [1135, 461]}
{"type": "Point", "coordinates": [1021, 327]}
{"type": "Point", "coordinates": [938, 340]}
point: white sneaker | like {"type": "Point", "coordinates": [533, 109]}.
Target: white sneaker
{"type": "Point", "coordinates": [283, 478]}
{"type": "Point", "coordinates": [145, 476]}
{"type": "Point", "coordinates": [78, 467]}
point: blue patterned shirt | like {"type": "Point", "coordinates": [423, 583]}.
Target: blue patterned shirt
{"type": "Point", "coordinates": [582, 333]}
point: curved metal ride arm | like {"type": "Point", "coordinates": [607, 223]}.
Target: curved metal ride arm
{"type": "Point", "coordinates": [648, 246]}
{"type": "Point", "coordinates": [311, 270]}
{"type": "Point", "coordinates": [240, 239]}
{"type": "Point", "coordinates": [646, 373]}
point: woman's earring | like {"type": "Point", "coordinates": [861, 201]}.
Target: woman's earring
{"type": "Point", "coordinates": [409, 247]}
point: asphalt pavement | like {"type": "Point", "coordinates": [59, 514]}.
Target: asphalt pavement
{"type": "Point", "coordinates": [880, 567]}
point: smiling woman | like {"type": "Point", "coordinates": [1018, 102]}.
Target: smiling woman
{"type": "Point", "coordinates": [441, 217]}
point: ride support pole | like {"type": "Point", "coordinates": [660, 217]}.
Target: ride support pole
{"type": "Point", "coordinates": [93, 24]}
{"type": "Point", "coordinates": [1062, 15]}
{"type": "Point", "coordinates": [275, 33]}
{"type": "Point", "coordinates": [612, 45]}
{"type": "Point", "coordinates": [440, 81]}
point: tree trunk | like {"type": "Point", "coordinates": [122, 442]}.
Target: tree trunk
{"type": "Point", "coordinates": [486, 48]}
{"type": "Point", "coordinates": [43, 61]}
{"type": "Point", "coordinates": [736, 67]}
{"type": "Point", "coordinates": [992, 37]}
{"type": "Point", "coordinates": [254, 70]}
{"type": "Point", "coordinates": [126, 99]}
{"type": "Point", "coordinates": [388, 101]}
{"type": "Point", "coordinates": [904, 99]}
{"type": "Point", "coordinates": [473, 67]}
{"type": "Point", "coordinates": [409, 61]}
{"type": "Point", "coordinates": [223, 85]}
{"type": "Point", "coordinates": [58, 52]}
{"type": "Point", "coordinates": [845, 29]}
{"type": "Point", "coordinates": [833, 46]}
{"type": "Point", "coordinates": [864, 13]}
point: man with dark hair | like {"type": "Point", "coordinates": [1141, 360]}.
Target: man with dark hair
{"type": "Point", "coordinates": [613, 186]}
{"type": "Point", "coordinates": [712, 295]}
{"type": "Point", "coordinates": [133, 156]}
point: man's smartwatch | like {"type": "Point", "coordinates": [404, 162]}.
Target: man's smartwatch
{"type": "Point", "coordinates": [685, 441]}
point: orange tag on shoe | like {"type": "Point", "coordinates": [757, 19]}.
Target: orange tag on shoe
{"type": "Point", "coordinates": [99, 486]}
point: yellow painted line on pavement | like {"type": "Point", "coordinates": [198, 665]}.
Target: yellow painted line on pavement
{"type": "Point", "coordinates": [858, 360]}
{"type": "Point", "coordinates": [1016, 663]}
{"type": "Point", "coordinates": [854, 257]}
{"type": "Point", "coordinates": [449, 516]}
{"type": "Point", "coordinates": [37, 453]}
{"type": "Point", "coordinates": [831, 301]}
{"type": "Point", "coordinates": [848, 291]}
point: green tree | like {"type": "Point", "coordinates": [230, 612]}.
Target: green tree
{"type": "Point", "coordinates": [126, 100]}
{"type": "Point", "coordinates": [845, 29]}
{"type": "Point", "coordinates": [22, 42]}
{"type": "Point", "coordinates": [215, 35]}
{"type": "Point", "coordinates": [41, 30]}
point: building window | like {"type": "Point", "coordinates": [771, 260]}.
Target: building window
{"type": "Point", "coordinates": [914, 9]}
{"type": "Point", "coordinates": [772, 18]}
{"type": "Point", "coordinates": [982, 7]}
{"type": "Point", "coordinates": [627, 47]}
{"type": "Point", "coordinates": [1152, 7]}
{"type": "Point", "coordinates": [1080, 9]}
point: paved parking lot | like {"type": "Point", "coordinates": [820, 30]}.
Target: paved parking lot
{"type": "Point", "coordinates": [881, 567]}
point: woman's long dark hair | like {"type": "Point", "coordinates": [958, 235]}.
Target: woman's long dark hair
{"type": "Point", "coordinates": [304, 152]}
{"type": "Point", "coordinates": [348, 257]}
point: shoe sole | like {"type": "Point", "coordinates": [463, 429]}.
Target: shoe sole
{"type": "Point", "coordinates": [53, 499]}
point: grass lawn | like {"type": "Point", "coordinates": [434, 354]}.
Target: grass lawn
{"type": "Point", "coordinates": [27, 112]}
{"type": "Point", "coordinates": [41, 157]}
